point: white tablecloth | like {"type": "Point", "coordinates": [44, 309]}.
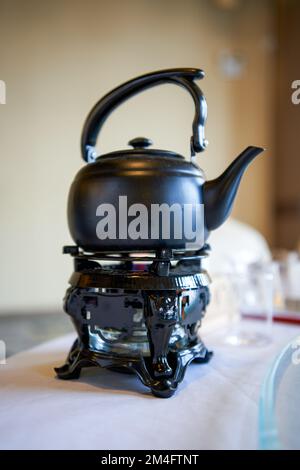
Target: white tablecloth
{"type": "Point", "coordinates": [216, 406]}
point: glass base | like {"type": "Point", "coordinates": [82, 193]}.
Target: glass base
{"type": "Point", "coordinates": [243, 333]}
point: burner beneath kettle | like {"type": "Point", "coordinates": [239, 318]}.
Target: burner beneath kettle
{"type": "Point", "coordinates": [141, 314]}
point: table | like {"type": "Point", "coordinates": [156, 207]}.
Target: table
{"type": "Point", "coordinates": [216, 406]}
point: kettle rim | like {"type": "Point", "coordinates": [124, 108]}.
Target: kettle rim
{"type": "Point", "coordinates": [140, 153]}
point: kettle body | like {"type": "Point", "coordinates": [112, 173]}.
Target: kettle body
{"type": "Point", "coordinates": [137, 201]}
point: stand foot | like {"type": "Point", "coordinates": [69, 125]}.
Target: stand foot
{"type": "Point", "coordinates": [165, 389]}
{"type": "Point", "coordinates": [205, 359]}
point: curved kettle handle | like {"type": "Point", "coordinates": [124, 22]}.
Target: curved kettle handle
{"type": "Point", "coordinates": [183, 77]}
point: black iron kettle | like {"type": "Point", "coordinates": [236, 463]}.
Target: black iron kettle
{"type": "Point", "coordinates": [125, 181]}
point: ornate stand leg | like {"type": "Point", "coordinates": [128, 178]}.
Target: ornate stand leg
{"type": "Point", "coordinates": [76, 359]}
{"type": "Point", "coordinates": [161, 315]}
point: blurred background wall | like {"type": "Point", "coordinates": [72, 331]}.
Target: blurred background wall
{"type": "Point", "coordinates": [287, 163]}
{"type": "Point", "coordinates": [58, 58]}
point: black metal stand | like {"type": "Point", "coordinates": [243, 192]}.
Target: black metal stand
{"type": "Point", "coordinates": [140, 321]}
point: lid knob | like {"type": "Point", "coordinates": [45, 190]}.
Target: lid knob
{"type": "Point", "coordinates": [140, 142]}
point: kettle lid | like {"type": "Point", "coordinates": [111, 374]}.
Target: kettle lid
{"type": "Point", "coordinates": [140, 149]}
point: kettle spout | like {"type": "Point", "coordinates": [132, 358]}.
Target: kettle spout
{"type": "Point", "coordinates": [220, 193]}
